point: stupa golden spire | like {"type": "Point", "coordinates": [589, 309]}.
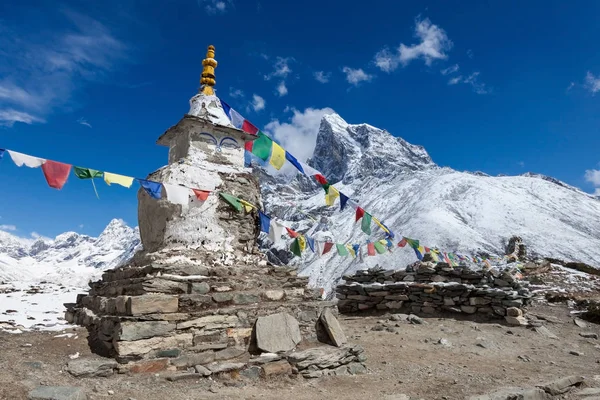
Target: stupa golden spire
{"type": "Point", "coordinates": [207, 80]}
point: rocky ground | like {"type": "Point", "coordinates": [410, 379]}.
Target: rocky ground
{"type": "Point", "coordinates": [428, 358]}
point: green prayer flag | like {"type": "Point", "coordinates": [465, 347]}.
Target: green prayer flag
{"type": "Point", "coordinates": [412, 243]}
{"type": "Point", "coordinates": [295, 248]}
{"type": "Point", "coordinates": [380, 248]}
{"type": "Point", "coordinates": [366, 223]}
{"type": "Point", "coordinates": [326, 187]}
{"type": "Point", "coordinates": [87, 173]}
{"type": "Point", "coordinates": [233, 201]}
{"type": "Point", "coordinates": [261, 147]}
{"type": "Point", "coordinates": [342, 250]}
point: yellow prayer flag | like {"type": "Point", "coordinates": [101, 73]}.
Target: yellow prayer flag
{"type": "Point", "coordinates": [122, 180]}
{"type": "Point", "coordinates": [351, 250]}
{"type": "Point", "coordinates": [380, 224]}
{"type": "Point", "coordinates": [248, 207]}
{"type": "Point", "coordinates": [434, 256]}
{"type": "Point", "coordinates": [277, 156]}
{"type": "Point", "coordinates": [302, 242]}
{"type": "Point", "coordinates": [332, 194]}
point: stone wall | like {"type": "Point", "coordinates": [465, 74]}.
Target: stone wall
{"type": "Point", "coordinates": [431, 288]}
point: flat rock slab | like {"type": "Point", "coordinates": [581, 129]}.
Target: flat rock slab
{"type": "Point", "coordinates": [277, 332]}
{"type": "Point", "coordinates": [542, 330]}
{"type": "Point", "coordinates": [514, 393]}
{"type": "Point", "coordinates": [561, 385]}
{"type": "Point", "coordinates": [589, 392]}
{"type": "Point", "coordinates": [333, 328]}
{"type": "Point", "coordinates": [91, 367]}
{"type": "Point", "coordinates": [57, 393]}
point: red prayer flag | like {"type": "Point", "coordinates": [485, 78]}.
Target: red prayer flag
{"type": "Point", "coordinates": [402, 243]}
{"type": "Point", "coordinates": [201, 195]}
{"type": "Point", "coordinates": [327, 247]}
{"type": "Point", "coordinates": [248, 145]}
{"type": "Point", "coordinates": [427, 249]}
{"type": "Point", "coordinates": [292, 233]}
{"type": "Point", "coordinates": [371, 249]}
{"type": "Point", "coordinates": [249, 128]}
{"type": "Point", "coordinates": [321, 179]}
{"type": "Point", "coordinates": [359, 213]}
{"type": "Point", "coordinates": [56, 173]}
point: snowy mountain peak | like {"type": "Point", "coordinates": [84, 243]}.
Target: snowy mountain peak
{"type": "Point", "coordinates": [346, 152]}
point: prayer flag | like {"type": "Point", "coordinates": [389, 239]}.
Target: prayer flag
{"type": "Point", "coordinates": [87, 173]}
{"type": "Point", "coordinates": [2, 153]}
{"type": "Point", "coordinates": [366, 223]}
{"type": "Point", "coordinates": [359, 213]}
{"type": "Point", "coordinates": [331, 195]}
{"type": "Point", "coordinates": [351, 250]}
{"type": "Point", "coordinates": [402, 243]}
{"type": "Point", "coordinates": [248, 207]}
{"type": "Point", "coordinates": [232, 200]}
{"type": "Point", "coordinates": [434, 256]}
{"type": "Point", "coordinates": [294, 161]}
{"type": "Point", "coordinates": [412, 242]}
{"type": "Point", "coordinates": [154, 189]}
{"type": "Point", "coordinates": [201, 195]}
{"type": "Point", "coordinates": [419, 251]}
{"type": "Point", "coordinates": [262, 146]}
{"type": "Point", "coordinates": [56, 173]}
{"type": "Point", "coordinates": [311, 243]}
{"type": "Point", "coordinates": [426, 249]}
{"type": "Point", "coordinates": [302, 242]}
{"type": "Point", "coordinates": [318, 247]}
{"type": "Point", "coordinates": [379, 247]}
{"type": "Point", "coordinates": [265, 221]}
{"type": "Point", "coordinates": [236, 118]}
{"type": "Point", "coordinates": [275, 231]}
{"type": "Point", "coordinates": [249, 128]}
{"type": "Point", "coordinates": [122, 180]}
{"type": "Point", "coordinates": [248, 145]}
{"type": "Point", "coordinates": [341, 249]}
{"type": "Point", "coordinates": [383, 227]}
{"type": "Point", "coordinates": [321, 179]}
{"type": "Point", "coordinates": [177, 194]}
{"type": "Point", "coordinates": [291, 232]}
{"type": "Point", "coordinates": [356, 248]}
{"type": "Point", "coordinates": [295, 248]}
{"type": "Point", "coordinates": [343, 201]}
{"type": "Point", "coordinates": [226, 108]}
{"type": "Point", "coordinates": [277, 156]}
{"type": "Point", "coordinates": [21, 159]}
{"type": "Point", "coordinates": [327, 246]}
{"type": "Point", "coordinates": [371, 249]}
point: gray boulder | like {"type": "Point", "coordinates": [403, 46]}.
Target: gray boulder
{"type": "Point", "coordinates": [277, 332]}
{"type": "Point", "coordinates": [91, 367]}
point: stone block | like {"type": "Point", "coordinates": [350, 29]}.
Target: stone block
{"type": "Point", "coordinates": [561, 385]}
{"type": "Point", "coordinates": [152, 303]}
{"type": "Point", "coordinates": [428, 310]}
{"type": "Point", "coordinates": [145, 346]}
{"type": "Point", "coordinates": [87, 367]}
{"type": "Point", "coordinates": [514, 312]}
{"type": "Point", "coordinates": [150, 366]}
{"type": "Point", "coordinates": [57, 393]}
{"type": "Point", "coordinates": [229, 353]}
{"type": "Point", "coordinates": [143, 329]}
{"type": "Point", "coordinates": [516, 321]}
{"type": "Point", "coordinates": [397, 297]}
{"type": "Point", "coordinates": [216, 368]}
{"type": "Point", "coordinates": [479, 301]}
{"type": "Point", "coordinates": [277, 332]}
{"type": "Point", "coordinates": [448, 301]}
{"type": "Point", "coordinates": [202, 370]}
{"type": "Point", "coordinates": [210, 322]}
{"type": "Point", "coordinates": [394, 305]}
{"type": "Point", "coordinates": [276, 368]}
{"type": "Point", "coordinates": [333, 327]}
{"type": "Point", "coordinates": [169, 353]}
{"type": "Point", "coordinates": [223, 297]}
{"type": "Point", "coordinates": [190, 360]}
{"type": "Point", "coordinates": [199, 288]}
{"type": "Point", "coordinates": [245, 298]}
{"type": "Point", "coordinates": [274, 295]}
{"type": "Point", "coordinates": [468, 309]}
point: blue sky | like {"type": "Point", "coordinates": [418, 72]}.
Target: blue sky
{"type": "Point", "coordinates": [500, 87]}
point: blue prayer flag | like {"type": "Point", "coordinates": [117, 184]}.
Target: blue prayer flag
{"type": "Point", "coordinates": [294, 161]}
{"type": "Point", "coordinates": [265, 221]}
{"type": "Point", "coordinates": [418, 253]}
{"type": "Point", "coordinates": [247, 158]}
{"type": "Point", "coordinates": [356, 247]}
{"type": "Point", "coordinates": [152, 188]}
{"type": "Point", "coordinates": [1, 153]}
{"type": "Point", "coordinates": [343, 201]}
{"type": "Point", "coordinates": [311, 243]}
{"type": "Point", "coordinates": [226, 108]}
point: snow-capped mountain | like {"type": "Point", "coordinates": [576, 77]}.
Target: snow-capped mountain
{"type": "Point", "coordinates": [451, 210]}
{"type": "Point", "coordinates": [70, 259]}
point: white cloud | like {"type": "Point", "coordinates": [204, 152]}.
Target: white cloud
{"type": "Point", "coordinates": [43, 72]}
{"type": "Point", "coordinates": [213, 7]}
{"type": "Point", "coordinates": [298, 135]}
{"type": "Point", "coordinates": [258, 103]}
{"type": "Point", "coordinates": [593, 176]}
{"type": "Point", "coordinates": [455, 80]}
{"type": "Point", "coordinates": [470, 53]}
{"type": "Point", "coordinates": [36, 236]}
{"type": "Point", "coordinates": [433, 45]}
{"type": "Point", "coordinates": [477, 86]}
{"type": "Point", "coordinates": [83, 121]}
{"type": "Point", "coordinates": [450, 70]}
{"type": "Point", "coordinates": [282, 89]}
{"type": "Point", "coordinates": [322, 77]}
{"type": "Point", "coordinates": [235, 93]}
{"type": "Point", "coordinates": [356, 76]}
{"type": "Point", "coordinates": [81, 226]}
{"type": "Point", "coordinates": [521, 163]}
{"type": "Point", "coordinates": [281, 69]}
{"type": "Point", "coordinates": [592, 83]}
{"type": "Point", "coordinates": [8, 228]}
{"type": "Point", "coordinates": [9, 116]}
{"type": "Point", "coordinates": [571, 85]}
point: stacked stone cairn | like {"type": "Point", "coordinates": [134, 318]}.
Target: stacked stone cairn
{"type": "Point", "coordinates": [198, 321]}
{"type": "Point", "coordinates": [433, 288]}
